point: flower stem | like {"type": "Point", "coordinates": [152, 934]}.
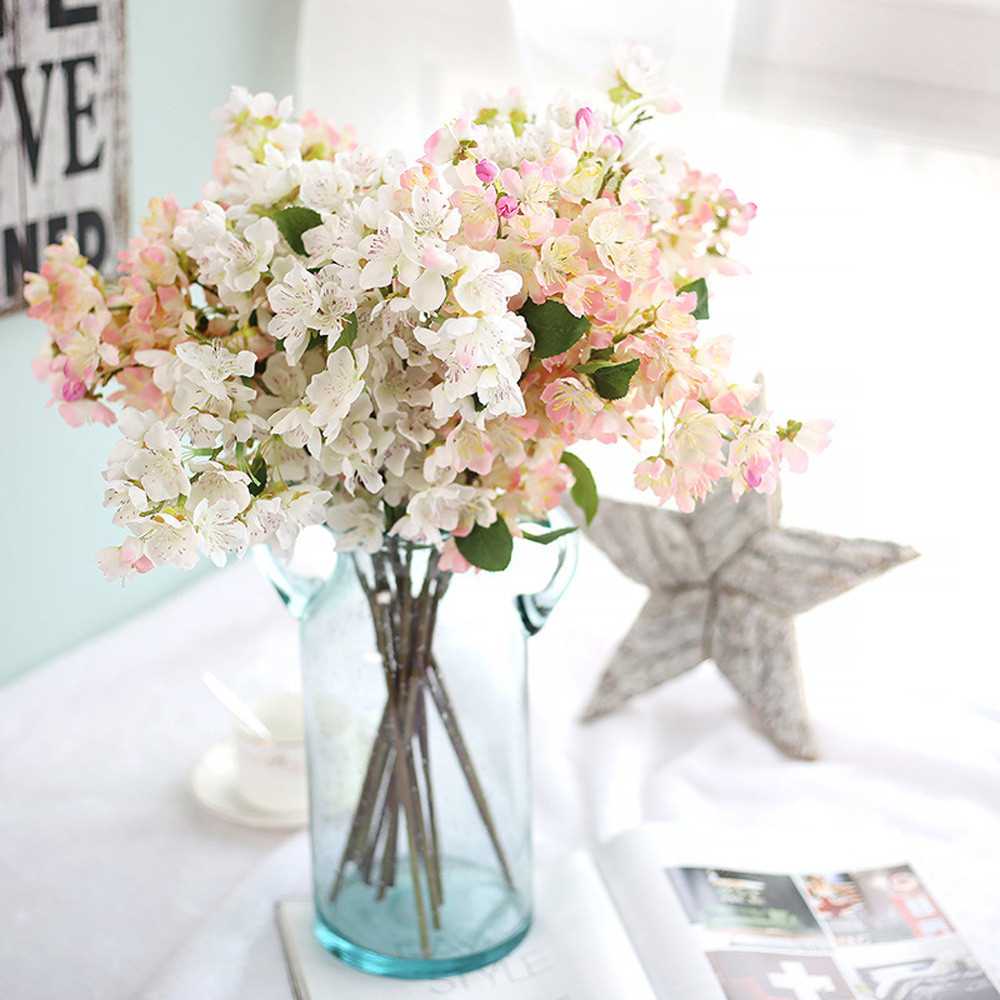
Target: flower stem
{"type": "Point", "coordinates": [398, 786]}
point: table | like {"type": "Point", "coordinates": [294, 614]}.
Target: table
{"type": "Point", "coordinates": [116, 884]}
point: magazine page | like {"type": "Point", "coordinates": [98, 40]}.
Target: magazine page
{"type": "Point", "coordinates": [634, 866]}
{"type": "Point", "coordinates": [753, 934]}
{"type": "Point", "coordinates": [576, 950]}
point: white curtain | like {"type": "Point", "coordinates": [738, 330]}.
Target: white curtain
{"type": "Point", "coordinates": [396, 70]}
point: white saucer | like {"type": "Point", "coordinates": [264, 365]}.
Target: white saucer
{"type": "Point", "coordinates": [213, 782]}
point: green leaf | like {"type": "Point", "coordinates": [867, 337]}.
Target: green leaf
{"type": "Point", "coordinates": [584, 491]}
{"type": "Point", "coordinates": [293, 222]}
{"type": "Point", "coordinates": [258, 476]}
{"type": "Point", "coordinates": [592, 366]}
{"type": "Point", "coordinates": [700, 287]}
{"type": "Point", "coordinates": [488, 548]}
{"type": "Point", "coordinates": [348, 333]}
{"type": "Point", "coordinates": [602, 354]}
{"type": "Point", "coordinates": [622, 93]}
{"type": "Point", "coordinates": [555, 328]}
{"type": "Point", "coordinates": [549, 536]}
{"type": "Point", "coordinates": [612, 381]}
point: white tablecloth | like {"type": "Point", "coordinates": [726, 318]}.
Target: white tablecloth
{"type": "Point", "coordinates": [115, 884]}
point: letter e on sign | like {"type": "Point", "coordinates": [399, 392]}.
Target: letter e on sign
{"type": "Point", "coordinates": [64, 143]}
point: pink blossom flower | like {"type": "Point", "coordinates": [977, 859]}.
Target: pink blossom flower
{"type": "Point", "coordinates": [139, 390]}
{"type": "Point", "coordinates": [86, 411]}
{"type": "Point", "coordinates": [697, 434]}
{"type": "Point", "coordinates": [532, 227]}
{"type": "Point", "coordinates": [65, 289]}
{"type": "Point", "coordinates": [444, 145]}
{"type": "Point", "coordinates": [543, 484]}
{"type": "Point", "coordinates": [477, 206]}
{"type": "Point", "coordinates": [506, 206]}
{"type": "Point", "coordinates": [692, 485]}
{"type": "Point", "coordinates": [120, 561]}
{"type": "Point", "coordinates": [452, 561]}
{"type": "Point", "coordinates": [754, 457]}
{"type": "Point", "coordinates": [469, 447]}
{"type": "Point", "coordinates": [571, 406]}
{"type": "Point", "coordinates": [609, 426]}
{"type": "Point", "coordinates": [321, 138]}
{"type": "Point", "coordinates": [803, 440]}
{"type": "Point", "coordinates": [654, 475]}
{"type": "Point", "coordinates": [582, 295]}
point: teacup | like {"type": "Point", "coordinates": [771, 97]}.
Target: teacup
{"type": "Point", "coordinates": [271, 774]}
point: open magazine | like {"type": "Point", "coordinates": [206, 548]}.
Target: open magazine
{"type": "Point", "coordinates": [633, 922]}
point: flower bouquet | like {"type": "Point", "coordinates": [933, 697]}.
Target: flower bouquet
{"type": "Point", "coordinates": [406, 352]}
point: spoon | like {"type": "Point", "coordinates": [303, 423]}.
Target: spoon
{"type": "Point", "coordinates": [233, 703]}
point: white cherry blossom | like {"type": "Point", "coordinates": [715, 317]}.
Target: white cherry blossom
{"type": "Point", "coordinates": [246, 258]}
{"type": "Point", "coordinates": [219, 533]}
{"type": "Point", "coordinates": [294, 425]}
{"type": "Point", "coordinates": [445, 509]}
{"type": "Point", "coordinates": [481, 288]}
{"type": "Point", "coordinates": [217, 484]}
{"type": "Point", "coordinates": [383, 253]}
{"type": "Point", "coordinates": [157, 466]}
{"type": "Point", "coordinates": [127, 500]}
{"type": "Point", "coordinates": [357, 523]}
{"type": "Point", "coordinates": [212, 366]}
{"type": "Point", "coordinates": [336, 302]}
{"type": "Point", "coordinates": [325, 185]}
{"type": "Point", "coordinates": [265, 183]}
{"type": "Point", "coordinates": [243, 108]}
{"type": "Point", "coordinates": [302, 506]}
{"type": "Point", "coordinates": [171, 542]}
{"type": "Point", "coordinates": [432, 214]}
{"type": "Point", "coordinates": [336, 240]}
{"type": "Point", "coordinates": [201, 230]}
{"type": "Point", "coordinates": [294, 299]}
{"type": "Point", "coordinates": [264, 519]}
{"type": "Point", "coordinates": [642, 73]}
{"type": "Point", "coordinates": [334, 390]}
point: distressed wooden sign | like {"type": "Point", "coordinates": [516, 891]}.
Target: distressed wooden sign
{"type": "Point", "coordinates": [64, 153]}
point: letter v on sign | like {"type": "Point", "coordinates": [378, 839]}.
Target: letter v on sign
{"type": "Point", "coordinates": [31, 131]}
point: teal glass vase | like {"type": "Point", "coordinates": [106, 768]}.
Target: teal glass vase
{"type": "Point", "coordinates": [416, 707]}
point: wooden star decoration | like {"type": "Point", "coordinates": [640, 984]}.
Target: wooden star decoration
{"type": "Point", "coordinates": [726, 583]}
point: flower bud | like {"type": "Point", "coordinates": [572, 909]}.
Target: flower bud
{"type": "Point", "coordinates": [73, 389]}
{"type": "Point", "coordinates": [487, 171]}
{"type": "Point", "coordinates": [611, 146]}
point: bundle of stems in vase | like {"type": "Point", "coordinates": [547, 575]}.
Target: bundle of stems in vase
{"type": "Point", "coordinates": [397, 784]}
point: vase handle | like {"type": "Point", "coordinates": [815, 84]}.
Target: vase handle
{"type": "Point", "coordinates": [301, 576]}
{"type": "Point", "coordinates": [535, 609]}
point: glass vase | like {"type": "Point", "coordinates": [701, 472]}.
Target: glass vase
{"type": "Point", "coordinates": [416, 708]}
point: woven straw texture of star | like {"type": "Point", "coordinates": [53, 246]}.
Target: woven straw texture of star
{"type": "Point", "coordinates": [726, 583]}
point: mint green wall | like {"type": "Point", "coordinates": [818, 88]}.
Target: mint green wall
{"type": "Point", "coordinates": [183, 56]}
